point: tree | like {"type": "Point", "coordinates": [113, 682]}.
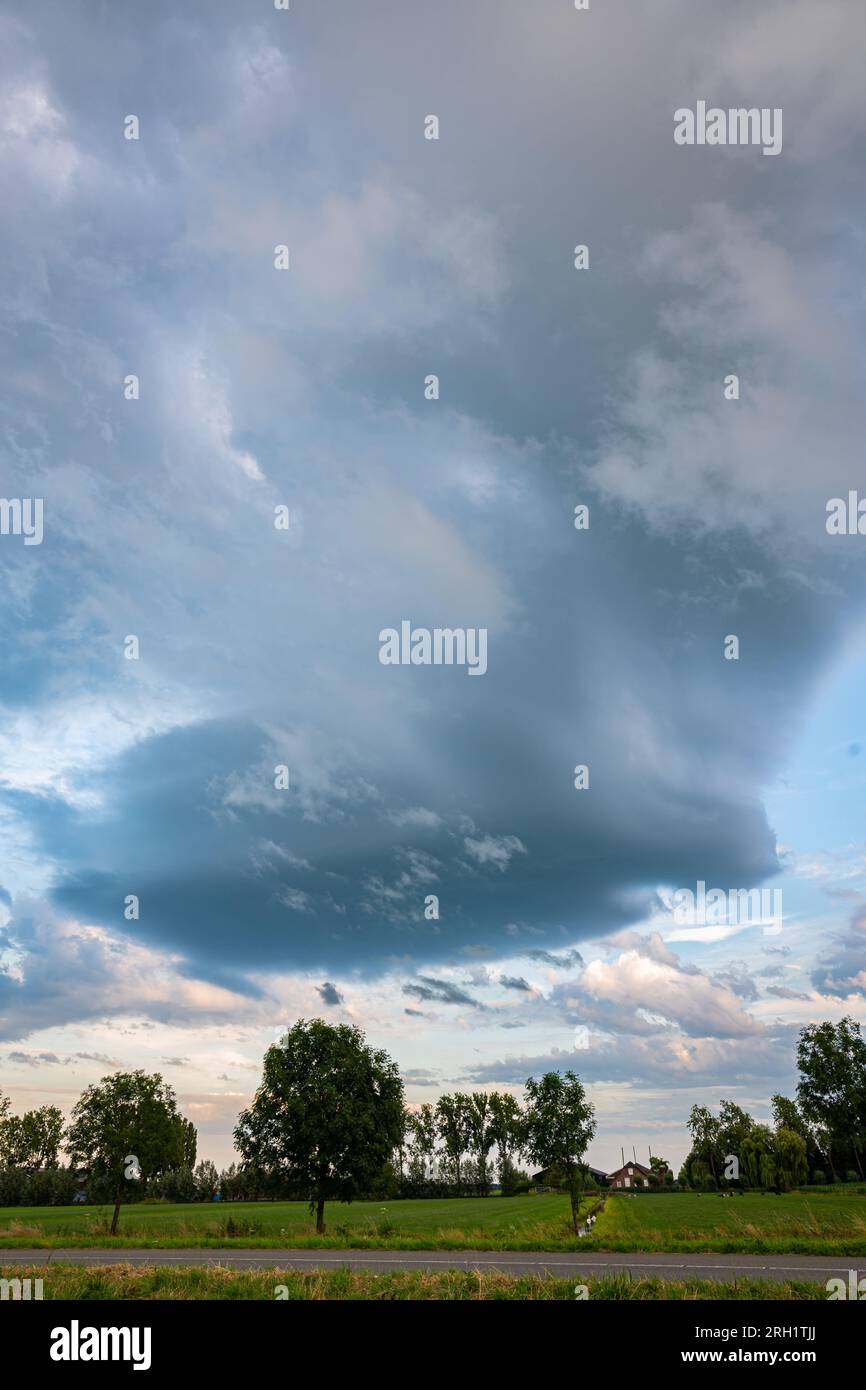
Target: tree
{"type": "Point", "coordinates": [480, 1136]}
{"type": "Point", "coordinates": [422, 1142]}
{"type": "Point", "coordinates": [230, 1183]}
{"type": "Point", "coordinates": [506, 1128]}
{"type": "Point", "coordinates": [327, 1114]}
{"type": "Point", "coordinates": [786, 1115]}
{"type": "Point", "coordinates": [176, 1184]}
{"type": "Point", "coordinates": [789, 1151]}
{"type": "Point", "coordinates": [704, 1129]}
{"type": "Point", "coordinates": [559, 1125]}
{"type": "Point", "coordinates": [125, 1129]}
{"type": "Point", "coordinates": [206, 1181]}
{"type": "Point", "coordinates": [735, 1125]}
{"type": "Point", "coordinates": [661, 1171]}
{"type": "Point", "coordinates": [398, 1157]}
{"type": "Point", "coordinates": [831, 1058]}
{"type": "Point", "coordinates": [755, 1151]}
{"type": "Point", "coordinates": [31, 1140]}
{"type": "Point", "coordinates": [189, 1142]}
{"type": "Point", "coordinates": [453, 1127]}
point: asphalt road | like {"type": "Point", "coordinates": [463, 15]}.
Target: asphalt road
{"type": "Point", "coordinates": [814, 1268]}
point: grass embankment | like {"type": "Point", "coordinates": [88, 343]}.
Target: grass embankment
{"type": "Point", "coordinates": [483, 1223]}
{"type": "Point", "coordinates": [122, 1283]}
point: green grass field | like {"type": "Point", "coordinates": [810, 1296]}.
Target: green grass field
{"type": "Point", "coordinates": [491, 1223]}
{"type": "Point", "coordinates": [123, 1282]}
{"type": "Point", "coordinates": [798, 1222]}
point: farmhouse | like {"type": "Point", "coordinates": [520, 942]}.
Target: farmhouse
{"type": "Point", "coordinates": [630, 1175]}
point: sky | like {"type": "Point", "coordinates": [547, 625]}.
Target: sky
{"type": "Point", "coordinates": [146, 769]}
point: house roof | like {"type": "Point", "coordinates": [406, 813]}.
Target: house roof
{"type": "Point", "coordinates": [633, 1164]}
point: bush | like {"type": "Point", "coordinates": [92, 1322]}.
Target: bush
{"type": "Point", "coordinates": [515, 1181]}
{"type": "Point", "coordinates": [176, 1185]}
{"type": "Point", "coordinates": [234, 1227]}
{"type": "Point", "coordinates": [41, 1187]}
{"type": "Point", "coordinates": [13, 1187]}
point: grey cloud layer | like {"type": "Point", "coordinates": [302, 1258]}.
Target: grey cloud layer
{"type": "Point", "coordinates": [260, 647]}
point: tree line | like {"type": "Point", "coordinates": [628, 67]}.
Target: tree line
{"type": "Point", "coordinates": [820, 1136]}
{"type": "Point", "coordinates": [329, 1122]}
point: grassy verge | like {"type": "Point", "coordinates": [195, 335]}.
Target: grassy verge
{"type": "Point", "coordinates": [122, 1282]}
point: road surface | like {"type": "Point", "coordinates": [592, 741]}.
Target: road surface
{"type": "Point", "coordinates": [563, 1265]}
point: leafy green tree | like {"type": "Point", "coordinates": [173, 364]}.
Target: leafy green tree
{"type": "Point", "coordinates": [398, 1157]}
{"type": "Point", "coordinates": [327, 1114]}
{"type": "Point", "coordinates": [422, 1142]}
{"type": "Point", "coordinates": [506, 1130]}
{"type": "Point", "coordinates": [705, 1131]}
{"type": "Point", "coordinates": [661, 1171]}
{"type": "Point", "coordinates": [480, 1137]}
{"type": "Point", "coordinates": [735, 1125]}
{"type": "Point", "coordinates": [773, 1158]}
{"type": "Point", "coordinates": [789, 1151]}
{"type": "Point", "coordinates": [754, 1149]}
{"type": "Point", "coordinates": [31, 1140]}
{"type": "Point", "coordinates": [206, 1181]}
{"type": "Point", "coordinates": [175, 1184]}
{"type": "Point", "coordinates": [453, 1127]}
{"type": "Point", "coordinates": [189, 1142]}
{"type": "Point", "coordinates": [701, 1175]}
{"type": "Point", "coordinates": [831, 1058]}
{"type": "Point", "coordinates": [559, 1124]}
{"type": "Point", "coordinates": [125, 1129]}
{"type": "Point", "coordinates": [786, 1115]}
{"type": "Point", "coordinates": [768, 1169]}
{"type": "Point", "coordinates": [230, 1183]}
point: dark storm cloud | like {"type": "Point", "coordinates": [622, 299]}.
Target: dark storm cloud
{"type": "Point", "coordinates": [34, 1059]}
{"type": "Point", "coordinates": [565, 961]}
{"type": "Point", "coordinates": [421, 1076]}
{"type": "Point", "coordinates": [442, 991]}
{"type": "Point", "coordinates": [329, 994]}
{"type": "Point", "coordinates": [841, 970]}
{"type": "Point", "coordinates": [738, 979]}
{"type": "Point", "coordinates": [604, 646]}
{"type": "Point", "coordinates": [668, 1061]}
